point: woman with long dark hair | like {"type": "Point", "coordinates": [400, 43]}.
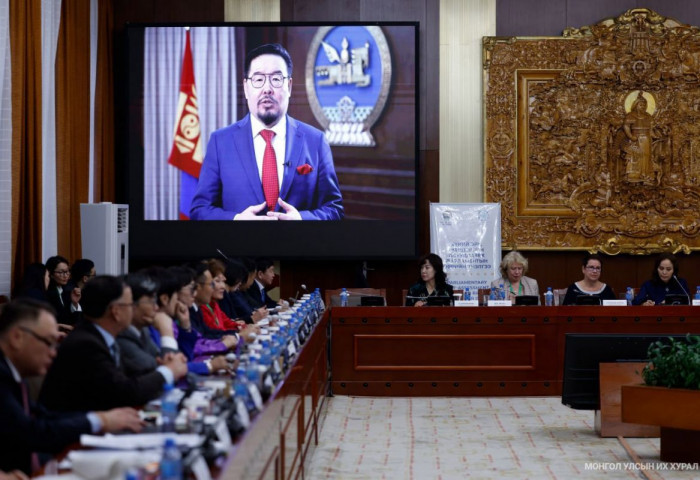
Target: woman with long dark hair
{"type": "Point", "coordinates": [432, 282]}
{"type": "Point", "coordinates": [664, 281]}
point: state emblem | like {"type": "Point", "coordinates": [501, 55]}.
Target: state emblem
{"type": "Point", "coordinates": [348, 78]}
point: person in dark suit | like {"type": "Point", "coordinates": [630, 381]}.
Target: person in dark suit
{"type": "Point", "coordinates": [88, 373]}
{"type": "Point", "coordinates": [268, 165]}
{"type": "Point", "coordinates": [264, 276]}
{"type": "Point", "coordinates": [432, 282]}
{"type": "Point", "coordinates": [664, 281]}
{"type": "Point", "coordinates": [35, 282]}
{"type": "Point", "coordinates": [236, 274]}
{"type": "Point", "coordinates": [65, 298]}
{"type": "Point", "coordinates": [28, 339]}
{"type": "Point", "coordinates": [81, 272]}
{"type": "Point", "coordinates": [241, 300]}
{"type": "Point", "coordinates": [139, 353]}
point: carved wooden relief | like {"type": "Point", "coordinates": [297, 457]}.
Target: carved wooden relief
{"type": "Point", "coordinates": [592, 139]}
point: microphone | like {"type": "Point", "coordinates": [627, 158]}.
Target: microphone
{"type": "Point", "coordinates": [684, 290]}
{"type": "Point", "coordinates": [292, 301]}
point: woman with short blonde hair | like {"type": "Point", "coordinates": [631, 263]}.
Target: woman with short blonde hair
{"type": "Point", "coordinates": [513, 269]}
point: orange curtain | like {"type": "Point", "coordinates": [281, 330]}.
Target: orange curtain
{"type": "Point", "coordinates": [72, 123]}
{"type": "Point", "coordinates": [104, 107]}
{"type": "Point", "coordinates": [25, 48]}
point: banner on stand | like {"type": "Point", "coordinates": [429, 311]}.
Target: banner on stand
{"type": "Point", "coordinates": [467, 236]}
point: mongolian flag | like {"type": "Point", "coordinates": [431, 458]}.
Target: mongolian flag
{"type": "Point", "coordinates": [186, 153]}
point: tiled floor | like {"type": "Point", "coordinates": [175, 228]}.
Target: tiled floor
{"type": "Point", "coordinates": [478, 438]}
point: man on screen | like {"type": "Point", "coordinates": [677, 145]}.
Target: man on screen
{"type": "Point", "coordinates": [267, 166]}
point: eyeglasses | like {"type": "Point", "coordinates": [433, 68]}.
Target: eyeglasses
{"type": "Point", "coordinates": [52, 344]}
{"type": "Point", "coordinates": [257, 80]}
{"type": "Point", "coordinates": [213, 285]}
{"type": "Point", "coordinates": [593, 269]}
{"type": "Point", "coordinates": [63, 273]}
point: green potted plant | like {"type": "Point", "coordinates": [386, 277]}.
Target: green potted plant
{"type": "Point", "coordinates": [675, 364]}
{"type": "Point", "coordinates": [670, 398]}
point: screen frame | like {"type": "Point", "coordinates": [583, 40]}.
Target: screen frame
{"type": "Point", "coordinates": [171, 240]}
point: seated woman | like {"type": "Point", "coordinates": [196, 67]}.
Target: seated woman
{"type": "Point", "coordinates": [513, 269]}
{"type": "Point", "coordinates": [664, 281]}
{"type": "Point", "coordinates": [432, 282]}
{"type": "Point", "coordinates": [590, 284]}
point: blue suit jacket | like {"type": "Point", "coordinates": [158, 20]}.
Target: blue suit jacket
{"type": "Point", "coordinates": [229, 181]}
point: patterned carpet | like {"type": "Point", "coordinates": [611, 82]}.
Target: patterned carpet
{"type": "Point", "coordinates": [476, 438]}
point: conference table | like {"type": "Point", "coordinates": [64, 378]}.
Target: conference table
{"type": "Point", "coordinates": [408, 351]}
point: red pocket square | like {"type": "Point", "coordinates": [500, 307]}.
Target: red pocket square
{"type": "Point", "coordinates": [304, 169]}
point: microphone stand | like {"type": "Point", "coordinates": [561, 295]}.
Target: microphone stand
{"type": "Point", "coordinates": [682, 288]}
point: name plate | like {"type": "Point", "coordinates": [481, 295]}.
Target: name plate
{"type": "Point", "coordinates": [466, 303]}
{"type": "Point", "coordinates": [615, 303]}
{"type": "Point", "coordinates": [696, 302]}
{"type": "Point", "coordinates": [500, 303]}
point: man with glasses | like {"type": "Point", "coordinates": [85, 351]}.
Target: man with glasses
{"type": "Point", "coordinates": [267, 166]}
{"type": "Point", "coordinates": [28, 339]}
{"type": "Point", "coordinates": [88, 373]}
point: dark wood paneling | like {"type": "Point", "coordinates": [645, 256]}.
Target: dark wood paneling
{"type": "Point", "coordinates": [397, 351]}
{"type": "Point", "coordinates": [448, 352]}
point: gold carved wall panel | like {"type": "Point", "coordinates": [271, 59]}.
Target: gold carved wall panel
{"type": "Point", "coordinates": [592, 139]}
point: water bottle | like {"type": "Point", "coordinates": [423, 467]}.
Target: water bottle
{"type": "Point", "coordinates": [502, 292]}
{"type": "Point", "coordinates": [549, 297]}
{"type": "Point", "coordinates": [168, 408]}
{"type": "Point", "coordinates": [344, 298]}
{"type": "Point", "coordinates": [697, 292]}
{"type": "Point", "coordinates": [171, 461]}
{"type": "Point", "coordinates": [493, 293]}
{"type": "Point", "coordinates": [467, 294]}
{"type": "Point", "coordinates": [629, 295]}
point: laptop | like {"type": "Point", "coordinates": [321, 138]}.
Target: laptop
{"type": "Point", "coordinates": [527, 300]}
{"type": "Point", "coordinates": [676, 299]}
{"type": "Point", "coordinates": [438, 301]}
{"type": "Point", "coordinates": [588, 300]}
{"type": "Point", "coordinates": [372, 301]}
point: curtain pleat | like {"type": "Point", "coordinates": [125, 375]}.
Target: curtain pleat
{"type": "Point", "coordinates": [72, 123]}
{"type": "Point", "coordinates": [25, 48]}
{"type": "Point", "coordinates": [104, 107]}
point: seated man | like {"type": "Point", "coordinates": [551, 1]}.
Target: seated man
{"type": "Point", "coordinates": [241, 300]}
{"type": "Point", "coordinates": [264, 276]}
{"type": "Point", "coordinates": [88, 373]}
{"type": "Point", "coordinates": [28, 341]}
{"type": "Point", "coordinates": [81, 272]}
{"type": "Point", "coordinates": [138, 351]}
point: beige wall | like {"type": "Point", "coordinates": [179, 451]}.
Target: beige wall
{"type": "Point", "coordinates": [252, 10]}
{"type": "Point", "coordinates": [463, 23]}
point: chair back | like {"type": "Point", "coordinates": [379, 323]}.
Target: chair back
{"type": "Point", "coordinates": [559, 294]}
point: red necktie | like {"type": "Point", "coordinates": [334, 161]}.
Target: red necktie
{"type": "Point", "coordinates": [36, 466]}
{"type": "Point", "coordinates": [270, 182]}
